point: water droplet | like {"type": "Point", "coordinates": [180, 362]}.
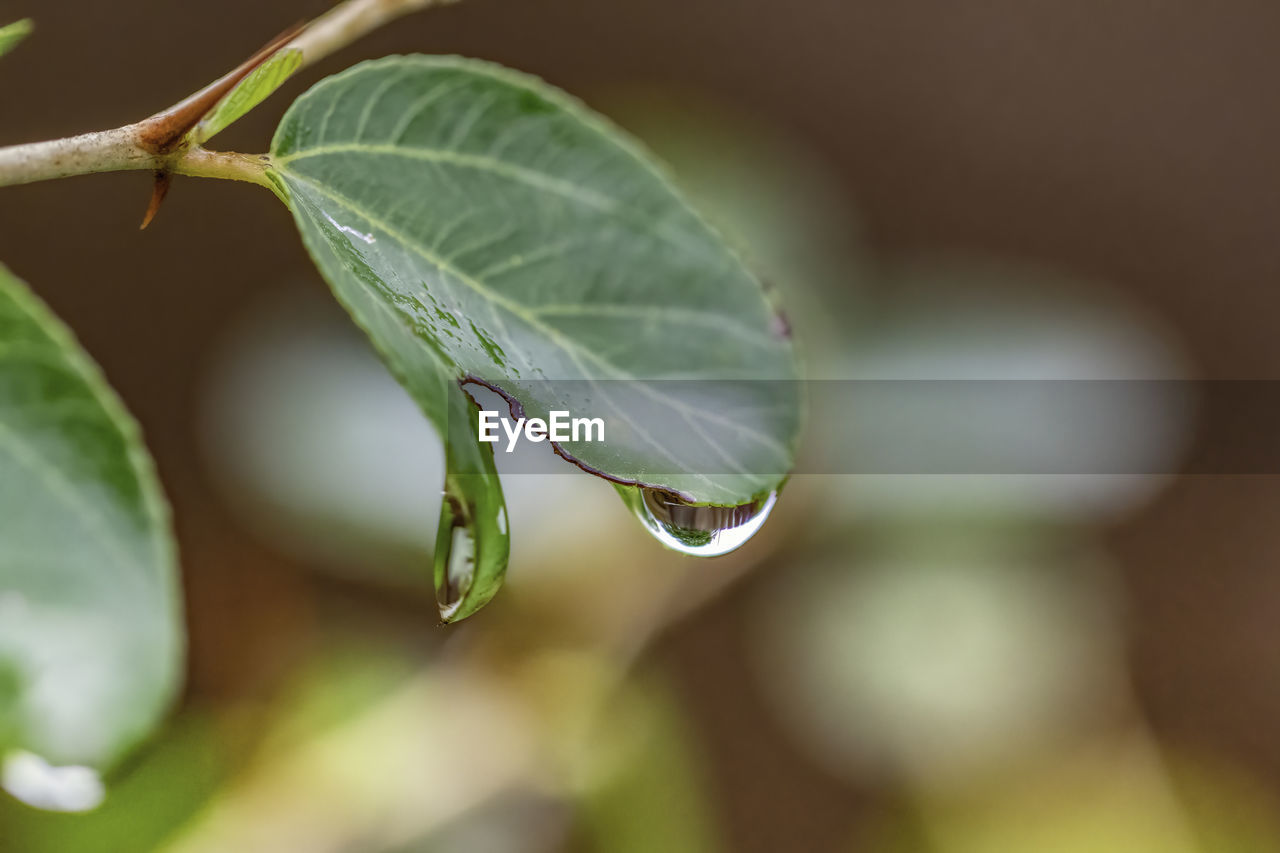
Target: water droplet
{"type": "Point", "coordinates": [702, 531]}
{"type": "Point", "coordinates": [490, 346]}
{"type": "Point", "coordinates": [36, 782]}
{"type": "Point", "coordinates": [455, 559]}
{"type": "Point", "coordinates": [347, 229]}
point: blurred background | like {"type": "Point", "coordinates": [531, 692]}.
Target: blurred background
{"type": "Point", "coordinates": [1031, 190]}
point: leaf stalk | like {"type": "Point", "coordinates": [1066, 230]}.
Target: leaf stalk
{"type": "Point", "coordinates": [154, 143]}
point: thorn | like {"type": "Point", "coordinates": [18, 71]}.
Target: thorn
{"type": "Point", "coordinates": [158, 191]}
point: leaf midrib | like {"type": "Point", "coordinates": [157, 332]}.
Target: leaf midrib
{"type": "Point", "coordinates": [530, 177]}
{"type": "Point", "coordinates": [571, 348]}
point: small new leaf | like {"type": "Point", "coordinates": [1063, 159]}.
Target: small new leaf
{"type": "Point", "coordinates": [12, 34]}
{"type": "Point", "coordinates": [251, 91]}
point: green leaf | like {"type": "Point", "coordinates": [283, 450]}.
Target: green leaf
{"type": "Point", "coordinates": [90, 643]}
{"type": "Point", "coordinates": [248, 93]}
{"type": "Point", "coordinates": [482, 226]}
{"type": "Point", "coordinates": [168, 784]}
{"type": "Point", "coordinates": [13, 33]}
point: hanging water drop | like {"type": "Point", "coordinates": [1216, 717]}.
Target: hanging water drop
{"type": "Point", "coordinates": [701, 531]}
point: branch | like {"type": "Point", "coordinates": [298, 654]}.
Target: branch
{"type": "Point", "coordinates": [150, 143]}
{"type": "Point", "coordinates": [101, 151]}
{"type": "Point", "coordinates": [349, 21]}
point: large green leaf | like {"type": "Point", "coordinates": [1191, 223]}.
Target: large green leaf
{"type": "Point", "coordinates": [90, 644]}
{"type": "Point", "coordinates": [12, 34]}
{"type": "Point", "coordinates": [482, 226]}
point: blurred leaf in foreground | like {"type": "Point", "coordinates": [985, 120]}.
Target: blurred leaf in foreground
{"type": "Point", "coordinates": [1109, 795]}
{"type": "Point", "coordinates": [169, 783]}
{"type": "Point", "coordinates": [644, 788]}
{"type": "Point", "coordinates": [90, 643]}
